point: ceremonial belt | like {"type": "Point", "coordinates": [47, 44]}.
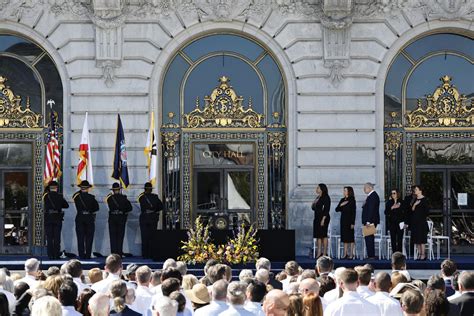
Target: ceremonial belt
{"type": "Point", "coordinates": [149, 211]}
{"type": "Point", "coordinates": [116, 213]}
{"type": "Point", "coordinates": [87, 212]}
{"type": "Point", "coordinates": [53, 212]}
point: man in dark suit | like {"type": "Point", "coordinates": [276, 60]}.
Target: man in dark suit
{"type": "Point", "coordinates": [465, 302]}
{"type": "Point", "coordinates": [370, 216]}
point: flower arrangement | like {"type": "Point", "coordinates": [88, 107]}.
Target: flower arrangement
{"type": "Point", "coordinates": [243, 248]}
{"type": "Point", "coordinates": [199, 248]}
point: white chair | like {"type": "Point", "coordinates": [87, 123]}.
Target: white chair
{"type": "Point", "coordinates": [438, 239]}
{"type": "Point", "coordinates": [404, 250]}
{"type": "Point", "coordinates": [330, 238]}
{"type": "Point", "coordinates": [429, 242]}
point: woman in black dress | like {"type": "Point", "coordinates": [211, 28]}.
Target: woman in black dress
{"type": "Point", "coordinates": [395, 213]}
{"type": "Point", "coordinates": [419, 226]}
{"type": "Point", "coordinates": [321, 207]}
{"type": "Point", "coordinates": [347, 207]}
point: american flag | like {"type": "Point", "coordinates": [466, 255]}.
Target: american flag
{"type": "Point", "coordinates": [52, 170]}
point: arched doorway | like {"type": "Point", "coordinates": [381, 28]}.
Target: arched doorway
{"type": "Point", "coordinates": [224, 133]}
{"type": "Point", "coordinates": [28, 79]}
{"type": "Point", "coordinates": [428, 129]}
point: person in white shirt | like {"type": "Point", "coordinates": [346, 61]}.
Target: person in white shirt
{"type": "Point", "coordinates": [334, 294]}
{"type": "Point", "coordinates": [387, 305]}
{"type": "Point", "coordinates": [143, 294]}
{"type": "Point", "coordinates": [164, 306]}
{"type": "Point", "coordinates": [292, 271]}
{"type": "Point", "coordinates": [113, 265]}
{"type": "Point", "coordinates": [67, 296]}
{"type": "Point", "coordinates": [256, 291]}
{"type": "Point", "coordinates": [236, 295]}
{"type": "Point", "coordinates": [10, 297]}
{"type": "Point", "coordinates": [31, 269]}
{"type": "Point", "coordinates": [99, 305]}
{"type": "Point", "coordinates": [365, 274]}
{"type": "Point", "coordinates": [47, 306]}
{"type": "Point", "coordinates": [276, 303]}
{"type": "Point", "coordinates": [74, 268]}
{"type": "Point", "coordinates": [218, 303]}
{"type": "Point", "coordinates": [351, 303]}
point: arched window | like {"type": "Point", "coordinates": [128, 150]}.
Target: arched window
{"type": "Point", "coordinates": [429, 127]}
{"type": "Point", "coordinates": [248, 84]}
{"type": "Point", "coordinates": [28, 79]}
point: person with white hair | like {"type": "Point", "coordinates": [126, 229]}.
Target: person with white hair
{"type": "Point", "coordinates": [99, 305]}
{"type": "Point", "coordinates": [336, 293]}
{"type": "Point", "coordinates": [31, 269]}
{"type": "Point", "coordinates": [10, 297]}
{"type": "Point", "coordinates": [164, 306]}
{"type": "Point", "coordinates": [169, 263]}
{"type": "Point", "coordinates": [263, 276]}
{"type": "Point", "coordinates": [236, 296]}
{"type": "Point", "coordinates": [46, 306]}
{"type": "Point", "coordinates": [245, 274]}
{"type": "Point", "coordinates": [264, 263]}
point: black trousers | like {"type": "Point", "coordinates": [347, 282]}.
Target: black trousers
{"type": "Point", "coordinates": [396, 238]}
{"type": "Point", "coordinates": [117, 232]}
{"type": "Point", "coordinates": [85, 229]}
{"type": "Point", "coordinates": [370, 245]}
{"type": "Point", "coordinates": [52, 226]}
{"type": "Point", "coordinates": [148, 223]}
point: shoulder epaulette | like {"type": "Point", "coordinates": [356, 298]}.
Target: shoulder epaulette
{"type": "Point", "coordinates": [107, 197]}
{"type": "Point", "coordinates": [140, 196]}
{"type": "Point", "coordinates": [44, 194]}
{"type": "Point", "coordinates": [76, 194]}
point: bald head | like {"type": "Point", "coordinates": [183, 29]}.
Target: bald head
{"type": "Point", "coordinates": [276, 303]}
{"type": "Point", "coordinates": [308, 286]}
{"type": "Point", "coordinates": [383, 282]}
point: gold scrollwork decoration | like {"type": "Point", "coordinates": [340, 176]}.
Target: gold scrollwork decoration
{"type": "Point", "coordinates": [445, 108]}
{"type": "Point", "coordinates": [169, 142]}
{"type": "Point", "coordinates": [11, 113]}
{"type": "Point", "coordinates": [223, 108]}
{"type": "Point", "coordinates": [393, 141]}
{"type": "Point", "coordinates": [171, 123]}
{"type": "Point", "coordinates": [276, 141]}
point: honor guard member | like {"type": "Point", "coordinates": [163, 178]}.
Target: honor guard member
{"type": "Point", "coordinates": [54, 203]}
{"type": "Point", "coordinates": [150, 205]}
{"type": "Point", "coordinates": [86, 206]}
{"type": "Point", "coordinates": [119, 207]}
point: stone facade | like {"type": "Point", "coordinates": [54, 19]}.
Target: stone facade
{"type": "Point", "coordinates": [111, 55]}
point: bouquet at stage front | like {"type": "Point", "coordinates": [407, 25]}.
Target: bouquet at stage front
{"type": "Point", "coordinates": [199, 248]}
{"type": "Point", "coordinates": [241, 249]}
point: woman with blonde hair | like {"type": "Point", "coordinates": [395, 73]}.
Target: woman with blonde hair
{"type": "Point", "coordinates": [189, 280]}
{"type": "Point", "coordinates": [118, 291]}
{"type": "Point", "coordinates": [313, 305]}
{"type": "Point", "coordinates": [46, 306]}
{"type": "Point", "coordinates": [53, 283]}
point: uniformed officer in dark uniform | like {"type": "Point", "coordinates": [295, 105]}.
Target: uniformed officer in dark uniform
{"type": "Point", "coordinates": [119, 207]}
{"type": "Point", "coordinates": [53, 203]}
{"type": "Point", "coordinates": [150, 205]}
{"type": "Point", "coordinates": [86, 206]}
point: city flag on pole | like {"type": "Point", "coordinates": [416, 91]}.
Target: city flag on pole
{"type": "Point", "coordinates": [52, 170]}
{"type": "Point", "coordinates": [150, 152]}
{"type": "Point", "coordinates": [84, 167]}
{"type": "Point", "coordinates": [120, 158]}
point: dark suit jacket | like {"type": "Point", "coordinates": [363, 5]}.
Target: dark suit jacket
{"type": "Point", "coordinates": [370, 209]}
{"type": "Point", "coordinates": [465, 302]}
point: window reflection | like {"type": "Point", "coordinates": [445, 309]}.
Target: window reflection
{"type": "Point", "coordinates": [16, 192]}
{"type": "Point", "coordinates": [442, 153]}
{"type": "Point", "coordinates": [15, 154]}
{"type": "Point", "coordinates": [439, 42]}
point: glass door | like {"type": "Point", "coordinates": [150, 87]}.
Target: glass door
{"type": "Point", "coordinates": [238, 195]}
{"type": "Point", "coordinates": [15, 211]}
{"type": "Point", "coordinates": [450, 193]}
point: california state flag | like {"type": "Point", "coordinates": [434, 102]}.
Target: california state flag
{"type": "Point", "coordinates": [84, 167]}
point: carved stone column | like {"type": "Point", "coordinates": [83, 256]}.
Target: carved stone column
{"type": "Point", "coordinates": [108, 18]}
{"type": "Point", "coordinates": [336, 21]}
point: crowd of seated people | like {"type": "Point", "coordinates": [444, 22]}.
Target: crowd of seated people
{"type": "Point", "coordinates": [137, 290]}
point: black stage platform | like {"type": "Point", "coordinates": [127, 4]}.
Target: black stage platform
{"type": "Point", "coordinates": [276, 245]}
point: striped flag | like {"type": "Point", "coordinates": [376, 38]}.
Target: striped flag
{"type": "Point", "coordinates": [52, 170]}
{"type": "Point", "coordinates": [84, 167]}
{"type": "Point", "coordinates": [120, 159]}
{"type": "Point", "coordinates": [151, 152]}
